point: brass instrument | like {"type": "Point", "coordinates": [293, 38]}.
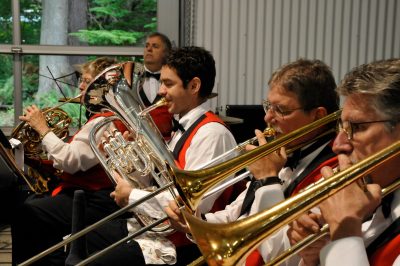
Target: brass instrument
{"type": "Point", "coordinates": [193, 184]}
{"type": "Point", "coordinates": [324, 230]}
{"type": "Point", "coordinates": [192, 200]}
{"type": "Point", "coordinates": [229, 244]}
{"type": "Point", "coordinates": [58, 121]}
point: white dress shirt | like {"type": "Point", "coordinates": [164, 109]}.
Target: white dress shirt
{"type": "Point", "coordinates": [266, 197]}
{"type": "Point", "coordinates": [76, 155]}
{"type": "Point", "coordinates": [151, 86]}
{"type": "Point", "coordinates": [351, 250]}
{"type": "Point", "coordinates": [211, 140]}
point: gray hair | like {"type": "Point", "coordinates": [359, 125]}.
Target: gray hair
{"type": "Point", "coordinates": [379, 79]}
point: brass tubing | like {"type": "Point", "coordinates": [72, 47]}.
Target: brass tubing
{"type": "Point", "coordinates": [94, 226]}
{"type": "Point", "coordinates": [324, 230]}
{"type": "Point", "coordinates": [194, 184]}
{"type": "Point", "coordinates": [229, 244]}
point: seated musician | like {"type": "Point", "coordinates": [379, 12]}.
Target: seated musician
{"type": "Point", "coordinates": [299, 93]}
{"type": "Point", "coordinates": [187, 79]}
{"type": "Point", "coordinates": [43, 221]}
{"type": "Point", "coordinates": [364, 228]}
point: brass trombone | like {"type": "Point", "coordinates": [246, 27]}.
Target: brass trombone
{"type": "Point", "coordinates": [324, 230]}
{"type": "Point", "coordinates": [193, 184]}
{"type": "Point", "coordinates": [193, 187]}
{"type": "Point", "coordinates": [229, 244]}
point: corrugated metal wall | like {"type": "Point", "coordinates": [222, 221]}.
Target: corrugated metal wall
{"type": "Point", "coordinates": [249, 39]}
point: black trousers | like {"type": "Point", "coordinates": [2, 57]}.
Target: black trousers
{"type": "Point", "coordinates": [41, 222]}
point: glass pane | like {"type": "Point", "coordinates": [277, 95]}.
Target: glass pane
{"type": "Point", "coordinates": [5, 22]}
{"type": "Point", "coordinates": [6, 91]}
{"type": "Point", "coordinates": [46, 80]}
{"type": "Point", "coordinates": [88, 22]}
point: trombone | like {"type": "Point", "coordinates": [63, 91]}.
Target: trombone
{"type": "Point", "coordinates": [193, 187]}
{"type": "Point", "coordinates": [323, 231]}
{"type": "Point", "coordinates": [229, 244]}
{"type": "Point", "coordinates": [193, 184]}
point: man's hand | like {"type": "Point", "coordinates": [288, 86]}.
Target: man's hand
{"type": "Point", "coordinates": [269, 165]}
{"type": "Point", "coordinates": [175, 217]}
{"type": "Point", "coordinates": [345, 210]}
{"type": "Point", "coordinates": [122, 191]}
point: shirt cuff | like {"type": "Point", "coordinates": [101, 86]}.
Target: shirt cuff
{"type": "Point", "coordinates": [347, 251]}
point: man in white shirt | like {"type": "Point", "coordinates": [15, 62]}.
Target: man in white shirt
{"type": "Point", "coordinates": [300, 92]}
{"type": "Point", "coordinates": [187, 79]}
{"type": "Point", "coordinates": [357, 220]}
{"type": "Point", "coordinates": [156, 51]}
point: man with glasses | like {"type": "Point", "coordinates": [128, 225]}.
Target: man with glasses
{"type": "Point", "coordinates": [299, 93]}
{"type": "Point", "coordinates": [364, 228]}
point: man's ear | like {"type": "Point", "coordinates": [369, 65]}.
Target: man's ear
{"type": "Point", "coordinates": [194, 85]}
{"type": "Point", "coordinates": [320, 112]}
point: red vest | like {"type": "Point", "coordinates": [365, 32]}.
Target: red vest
{"type": "Point", "coordinates": [179, 238]}
{"type": "Point", "coordinates": [387, 254]}
{"type": "Point", "coordinates": [94, 178]}
{"type": "Point", "coordinates": [255, 258]}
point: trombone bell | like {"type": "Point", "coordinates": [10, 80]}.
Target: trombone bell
{"type": "Point", "coordinates": [229, 244]}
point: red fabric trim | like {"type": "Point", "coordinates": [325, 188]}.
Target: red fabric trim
{"type": "Point", "coordinates": [179, 239]}
{"type": "Point", "coordinates": [94, 178]}
{"type": "Point", "coordinates": [210, 117]}
{"type": "Point", "coordinates": [387, 254]}
{"type": "Point", "coordinates": [163, 120]}
{"type": "Point", "coordinates": [315, 175]}
{"type": "Point", "coordinates": [255, 259]}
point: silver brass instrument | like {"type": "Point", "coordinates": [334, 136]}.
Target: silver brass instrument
{"type": "Point", "coordinates": [58, 121]}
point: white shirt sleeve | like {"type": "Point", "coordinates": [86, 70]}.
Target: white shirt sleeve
{"type": "Point", "coordinates": [210, 141]}
{"type": "Point", "coordinates": [76, 155]}
{"type": "Point", "coordinates": [347, 251]}
{"type": "Point", "coordinates": [231, 211]}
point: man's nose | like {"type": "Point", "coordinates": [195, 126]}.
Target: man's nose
{"type": "Point", "coordinates": [162, 90]}
{"type": "Point", "coordinates": [342, 143]}
{"type": "Point", "coordinates": [269, 116]}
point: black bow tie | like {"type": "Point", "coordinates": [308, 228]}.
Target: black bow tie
{"type": "Point", "coordinates": [176, 126]}
{"type": "Point", "coordinates": [148, 74]}
{"type": "Point", "coordinates": [293, 160]}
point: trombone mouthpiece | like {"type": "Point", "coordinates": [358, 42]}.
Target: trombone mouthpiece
{"type": "Point", "coordinates": [269, 132]}
{"type": "Point", "coordinates": [159, 103]}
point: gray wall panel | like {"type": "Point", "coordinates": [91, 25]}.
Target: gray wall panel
{"type": "Point", "coordinates": [250, 39]}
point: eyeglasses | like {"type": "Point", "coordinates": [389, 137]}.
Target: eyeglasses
{"type": "Point", "coordinates": [278, 109]}
{"type": "Point", "coordinates": [351, 127]}
{"type": "Point", "coordinates": [84, 80]}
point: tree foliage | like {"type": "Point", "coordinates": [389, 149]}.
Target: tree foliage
{"type": "Point", "coordinates": [119, 22]}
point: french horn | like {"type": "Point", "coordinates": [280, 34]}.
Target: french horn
{"type": "Point", "coordinates": [38, 171]}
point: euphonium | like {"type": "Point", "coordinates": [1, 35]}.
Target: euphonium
{"type": "Point", "coordinates": [147, 152]}
{"type": "Point", "coordinates": [58, 121]}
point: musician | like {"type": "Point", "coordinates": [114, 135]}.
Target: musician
{"type": "Point", "coordinates": [44, 220]}
{"type": "Point", "coordinates": [187, 79]}
{"type": "Point", "coordinates": [155, 53]}
{"type": "Point", "coordinates": [364, 228]}
{"type": "Point", "coordinates": [299, 93]}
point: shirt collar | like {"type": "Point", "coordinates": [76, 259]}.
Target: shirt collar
{"type": "Point", "coordinates": [188, 119]}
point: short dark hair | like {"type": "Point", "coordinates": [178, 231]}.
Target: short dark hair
{"type": "Point", "coordinates": [311, 80]}
{"type": "Point", "coordinates": [192, 61]}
